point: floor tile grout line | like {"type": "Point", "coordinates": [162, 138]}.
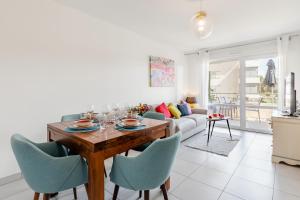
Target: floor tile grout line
{"type": "Point", "coordinates": [21, 191]}
{"type": "Point", "coordinates": [192, 162]}
{"type": "Point", "coordinates": [185, 179]}
{"type": "Point", "coordinates": [222, 190]}
{"type": "Point", "coordinates": [236, 168]}
{"type": "Point", "coordinates": [234, 195]}
{"type": "Point", "coordinates": [274, 182]}
{"type": "Point", "coordinates": [178, 186]}
{"type": "Point", "coordinates": [192, 170]}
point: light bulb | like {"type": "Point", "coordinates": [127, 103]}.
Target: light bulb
{"type": "Point", "coordinates": [201, 25]}
{"type": "Point", "coordinates": [201, 22]}
{"type": "Point", "coordinates": [201, 28]}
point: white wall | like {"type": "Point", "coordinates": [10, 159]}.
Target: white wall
{"type": "Point", "coordinates": [56, 60]}
{"type": "Point", "coordinates": [194, 72]}
{"type": "Point", "coordinates": [293, 62]}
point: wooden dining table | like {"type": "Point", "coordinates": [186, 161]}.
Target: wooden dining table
{"type": "Point", "coordinates": [105, 143]}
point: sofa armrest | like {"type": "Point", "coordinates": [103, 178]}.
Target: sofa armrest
{"type": "Point", "coordinates": [199, 111]}
{"type": "Point", "coordinates": [172, 126]}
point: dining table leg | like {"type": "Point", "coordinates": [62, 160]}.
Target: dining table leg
{"type": "Point", "coordinates": [96, 176]}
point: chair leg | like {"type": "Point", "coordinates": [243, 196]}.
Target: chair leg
{"type": "Point", "coordinates": [126, 153]}
{"type": "Point", "coordinates": [105, 174]}
{"type": "Point", "coordinates": [46, 197]}
{"type": "Point", "coordinates": [140, 194]}
{"type": "Point", "coordinates": [146, 195]}
{"type": "Point", "coordinates": [87, 188]}
{"type": "Point", "coordinates": [164, 191]}
{"type": "Point", "coordinates": [36, 196]}
{"type": "Point", "coordinates": [75, 193]}
{"type": "Point", "coordinates": [53, 195]}
{"type": "Point", "coordinates": [116, 190]}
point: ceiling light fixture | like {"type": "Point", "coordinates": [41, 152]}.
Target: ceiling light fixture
{"type": "Point", "coordinates": [202, 25]}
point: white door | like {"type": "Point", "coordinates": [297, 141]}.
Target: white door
{"type": "Point", "coordinates": [237, 89]}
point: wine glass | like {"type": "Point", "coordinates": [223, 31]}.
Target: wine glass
{"type": "Point", "coordinates": [102, 121]}
{"type": "Point", "coordinates": [116, 109]}
{"type": "Point", "coordinates": [106, 110]}
{"type": "Point", "coordinates": [90, 111]}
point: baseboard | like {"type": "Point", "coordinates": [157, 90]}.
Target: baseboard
{"type": "Point", "coordinates": [289, 161]}
{"type": "Point", "coordinates": [11, 178]}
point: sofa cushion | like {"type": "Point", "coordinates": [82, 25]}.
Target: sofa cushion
{"type": "Point", "coordinates": [162, 108]}
{"type": "Point", "coordinates": [185, 124]}
{"type": "Point", "coordinates": [198, 118]}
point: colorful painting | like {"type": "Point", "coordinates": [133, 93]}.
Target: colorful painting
{"type": "Point", "coordinates": [162, 72]}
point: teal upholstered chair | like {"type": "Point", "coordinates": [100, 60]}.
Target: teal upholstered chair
{"type": "Point", "coordinates": [46, 168]}
{"type": "Point", "coordinates": [148, 170]}
{"type": "Point", "coordinates": [69, 118]}
{"type": "Point", "coordinates": [72, 117]}
{"type": "Point", "coordinates": [150, 115]}
{"type": "Point", "coordinates": [154, 115]}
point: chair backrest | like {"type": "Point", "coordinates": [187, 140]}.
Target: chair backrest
{"type": "Point", "coordinates": [36, 162]}
{"type": "Point", "coordinates": [30, 159]}
{"type": "Point", "coordinates": [157, 160]}
{"type": "Point", "coordinates": [45, 166]}
{"type": "Point", "coordinates": [223, 99]}
{"type": "Point", "coordinates": [72, 117]}
{"type": "Point", "coordinates": [154, 115]}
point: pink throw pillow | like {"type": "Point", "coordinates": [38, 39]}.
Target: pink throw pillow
{"type": "Point", "coordinates": [162, 108]}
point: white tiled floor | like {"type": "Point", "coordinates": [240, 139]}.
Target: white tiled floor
{"type": "Point", "coordinates": [247, 174]}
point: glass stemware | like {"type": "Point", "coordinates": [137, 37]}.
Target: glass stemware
{"type": "Point", "coordinates": [117, 110]}
{"type": "Point", "coordinates": [90, 111]}
{"type": "Point", "coordinates": [106, 111]}
{"type": "Point", "coordinates": [102, 120]}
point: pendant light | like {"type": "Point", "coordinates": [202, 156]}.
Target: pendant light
{"type": "Point", "coordinates": [201, 23]}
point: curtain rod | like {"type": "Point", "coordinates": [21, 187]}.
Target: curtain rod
{"type": "Point", "coordinates": [236, 45]}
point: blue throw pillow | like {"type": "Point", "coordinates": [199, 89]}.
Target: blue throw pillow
{"type": "Point", "coordinates": [183, 109]}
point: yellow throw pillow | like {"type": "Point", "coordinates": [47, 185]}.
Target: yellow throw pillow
{"type": "Point", "coordinates": [174, 111]}
{"type": "Point", "coordinates": [194, 105]}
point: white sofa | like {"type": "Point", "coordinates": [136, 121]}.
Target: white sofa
{"type": "Point", "coordinates": [189, 125]}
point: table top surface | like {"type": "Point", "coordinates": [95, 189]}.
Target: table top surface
{"type": "Point", "coordinates": [218, 119]}
{"type": "Point", "coordinates": [107, 134]}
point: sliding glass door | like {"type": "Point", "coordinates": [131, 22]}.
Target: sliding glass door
{"type": "Point", "coordinates": [224, 87]}
{"type": "Point", "coordinates": [239, 89]}
{"type": "Point", "coordinates": [261, 92]}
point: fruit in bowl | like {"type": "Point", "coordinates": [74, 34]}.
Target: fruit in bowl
{"type": "Point", "coordinates": [216, 115]}
{"type": "Point", "coordinates": [84, 123]}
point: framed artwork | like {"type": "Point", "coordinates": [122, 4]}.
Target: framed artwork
{"type": "Point", "coordinates": [162, 72]}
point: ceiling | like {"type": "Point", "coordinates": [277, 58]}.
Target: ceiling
{"type": "Point", "coordinates": [168, 21]}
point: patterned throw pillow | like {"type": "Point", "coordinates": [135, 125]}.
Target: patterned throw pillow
{"type": "Point", "coordinates": [174, 111]}
{"type": "Point", "coordinates": [183, 109]}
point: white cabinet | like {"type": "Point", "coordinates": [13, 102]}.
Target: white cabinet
{"type": "Point", "coordinates": [286, 139]}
